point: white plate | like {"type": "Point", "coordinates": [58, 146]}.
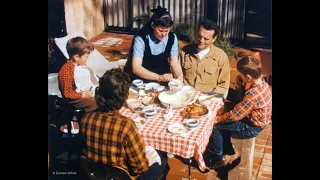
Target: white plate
{"type": "Point", "coordinates": [150, 85]}
{"type": "Point", "coordinates": [177, 128]}
{"type": "Point", "coordinates": [140, 122]}
{"type": "Point", "coordinates": [206, 99]}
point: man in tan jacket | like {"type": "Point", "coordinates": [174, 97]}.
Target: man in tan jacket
{"type": "Point", "coordinates": [205, 66]}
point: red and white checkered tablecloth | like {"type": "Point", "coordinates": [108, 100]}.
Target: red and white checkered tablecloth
{"type": "Point", "coordinates": [155, 131]}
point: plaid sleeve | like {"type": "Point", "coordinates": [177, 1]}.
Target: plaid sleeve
{"type": "Point", "coordinates": [66, 80]}
{"type": "Point", "coordinates": [241, 110]}
{"type": "Point", "coordinates": [135, 150]}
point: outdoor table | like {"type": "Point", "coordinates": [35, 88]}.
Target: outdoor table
{"type": "Point", "coordinates": [155, 133]}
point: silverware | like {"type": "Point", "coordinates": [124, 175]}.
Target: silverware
{"type": "Point", "coordinates": [217, 95]}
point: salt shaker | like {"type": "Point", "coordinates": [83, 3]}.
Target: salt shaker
{"type": "Point", "coordinates": [169, 111]}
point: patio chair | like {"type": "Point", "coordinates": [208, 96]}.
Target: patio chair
{"type": "Point", "coordinates": [63, 147]}
{"type": "Point", "coordinates": [103, 172]}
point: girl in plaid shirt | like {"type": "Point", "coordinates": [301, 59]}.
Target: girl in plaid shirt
{"type": "Point", "coordinates": [249, 117]}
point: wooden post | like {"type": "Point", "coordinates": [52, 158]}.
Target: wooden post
{"type": "Point", "coordinates": [84, 15]}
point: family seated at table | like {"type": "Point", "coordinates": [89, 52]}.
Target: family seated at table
{"type": "Point", "coordinates": [114, 139]}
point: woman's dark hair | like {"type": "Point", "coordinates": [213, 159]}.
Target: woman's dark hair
{"type": "Point", "coordinates": [161, 17]}
{"type": "Point", "coordinates": [210, 25]}
{"type": "Point", "coordinates": [78, 45]}
{"type": "Point", "coordinates": [250, 65]}
{"type": "Point", "coordinates": [113, 90]}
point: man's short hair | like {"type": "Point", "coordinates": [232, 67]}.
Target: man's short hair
{"type": "Point", "coordinates": [210, 25]}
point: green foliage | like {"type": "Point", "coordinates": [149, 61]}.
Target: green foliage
{"type": "Point", "coordinates": [184, 32]}
{"type": "Point", "coordinates": [226, 46]}
{"type": "Point", "coordinates": [141, 19]}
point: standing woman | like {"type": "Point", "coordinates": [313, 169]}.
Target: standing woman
{"type": "Point", "coordinates": [154, 53]}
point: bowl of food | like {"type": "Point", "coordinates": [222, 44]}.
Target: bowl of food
{"type": "Point", "coordinates": [192, 123]}
{"type": "Point", "coordinates": [149, 112]}
{"type": "Point", "coordinates": [137, 82]}
{"type": "Point", "coordinates": [197, 111]}
{"type": "Point", "coordinates": [176, 100]}
{"type": "Point", "coordinates": [137, 109]}
{"type": "Point", "coordinates": [131, 102]}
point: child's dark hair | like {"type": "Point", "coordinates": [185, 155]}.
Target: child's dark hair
{"type": "Point", "coordinates": [78, 45]}
{"type": "Point", "coordinates": [250, 65]}
{"type": "Point", "coordinates": [113, 90]}
{"type": "Point", "coordinates": [210, 25]}
{"type": "Point", "coordinates": [161, 17]}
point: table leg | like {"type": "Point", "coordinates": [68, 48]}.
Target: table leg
{"type": "Point", "coordinates": [189, 168]}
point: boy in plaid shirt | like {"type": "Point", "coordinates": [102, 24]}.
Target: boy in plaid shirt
{"type": "Point", "coordinates": [249, 117]}
{"type": "Point", "coordinates": [78, 49]}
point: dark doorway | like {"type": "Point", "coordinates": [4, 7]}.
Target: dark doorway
{"type": "Point", "coordinates": [56, 29]}
{"type": "Point", "coordinates": [258, 22]}
{"type": "Point", "coordinates": [56, 18]}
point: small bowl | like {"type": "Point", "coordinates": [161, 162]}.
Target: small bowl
{"type": "Point", "coordinates": [131, 102]}
{"type": "Point", "coordinates": [137, 82]}
{"type": "Point", "coordinates": [149, 112]}
{"type": "Point", "coordinates": [137, 109]}
{"type": "Point", "coordinates": [192, 123]}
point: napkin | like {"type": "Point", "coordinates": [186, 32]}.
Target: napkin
{"type": "Point", "coordinates": [85, 79]}
{"type": "Point", "coordinates": [154, 153]}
